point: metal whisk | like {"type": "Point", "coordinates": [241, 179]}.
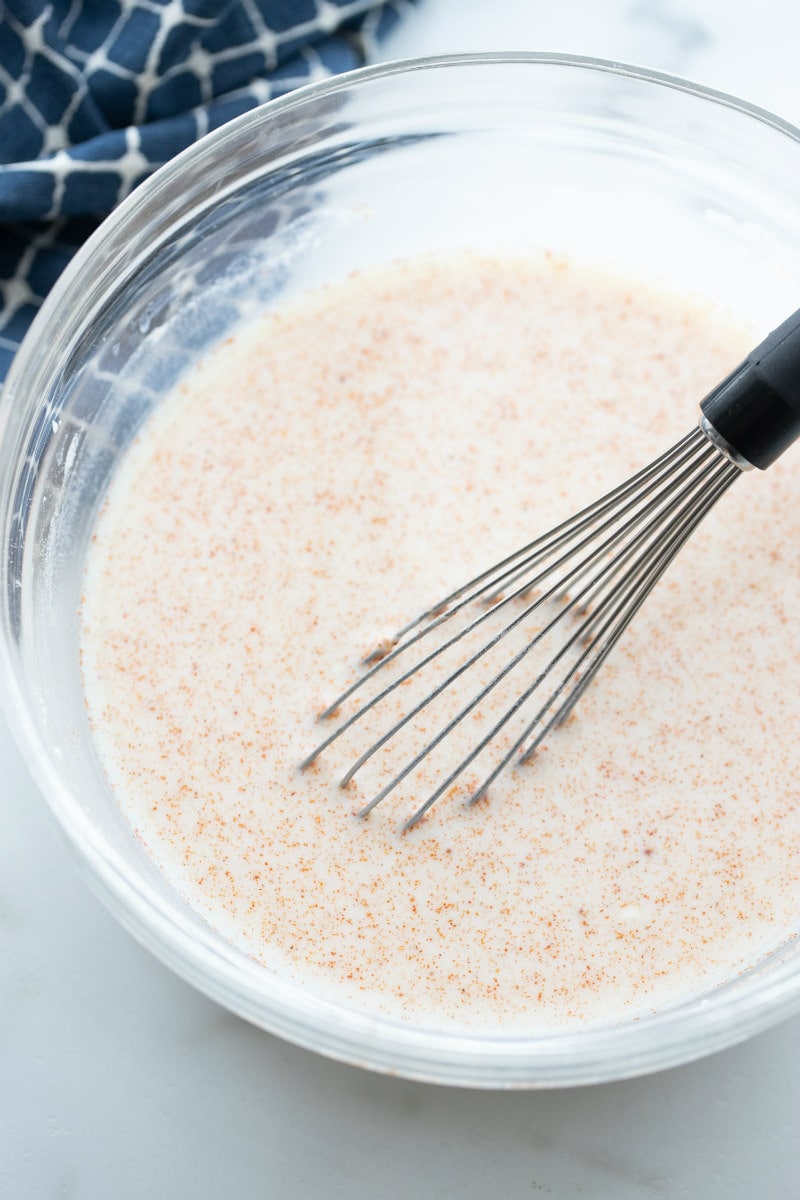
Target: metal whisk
{"type": "Point", "coordinates": [581, 582]}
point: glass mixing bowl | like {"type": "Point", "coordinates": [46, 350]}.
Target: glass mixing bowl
{"type": "Point", "coordinates": [647, 173]}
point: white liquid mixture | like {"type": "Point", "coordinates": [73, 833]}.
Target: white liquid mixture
{"type": "Point", "coordinates": [330, 472]}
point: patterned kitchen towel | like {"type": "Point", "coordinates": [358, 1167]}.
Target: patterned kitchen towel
{"type": "Point", "coordinates": [95, 94]}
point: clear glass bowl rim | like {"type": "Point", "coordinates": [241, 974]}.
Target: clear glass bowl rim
{"type": "Point", "coordinates": [464, 1059]}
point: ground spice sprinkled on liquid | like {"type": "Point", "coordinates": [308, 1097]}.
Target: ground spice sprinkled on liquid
{"type": "Point", "coordinates": [330, 471]}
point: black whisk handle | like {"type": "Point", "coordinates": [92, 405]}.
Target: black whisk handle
{"type": "Point", "coordinates": [756, 410]}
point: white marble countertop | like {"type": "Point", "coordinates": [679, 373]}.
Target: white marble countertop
{"type": "Point", "coordinates": [119, 1081]}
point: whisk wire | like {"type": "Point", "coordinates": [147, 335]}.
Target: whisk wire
{"type": "Point", "coordinates": [622, 614]}
{"type": "Point", "coordinates": [573, 524]}
{"type": "Point", "coordinates": [600, 564]}
{"type": "Point", "coordinates": [688, 453]}
{"type": "Point", "coordinates": [522, 561]}
{"type": "Point", "coordinates": [682, 451]}
{"type": "Point", "coordinates": [634, 601]}
{"type": "Point", "coordinates": [646, 483]}
{"type": "Point", "coordinates": [609, 569]}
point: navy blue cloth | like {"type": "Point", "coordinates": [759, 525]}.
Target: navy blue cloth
{"type": "Point", "coordinates": [94, 96]}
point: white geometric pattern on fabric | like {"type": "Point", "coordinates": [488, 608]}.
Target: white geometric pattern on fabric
{"type": "Point", "coordinates": [93, 98]}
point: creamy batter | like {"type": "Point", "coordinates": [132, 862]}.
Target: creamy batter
{"type": "Point", "coordinates": [331, 471]}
